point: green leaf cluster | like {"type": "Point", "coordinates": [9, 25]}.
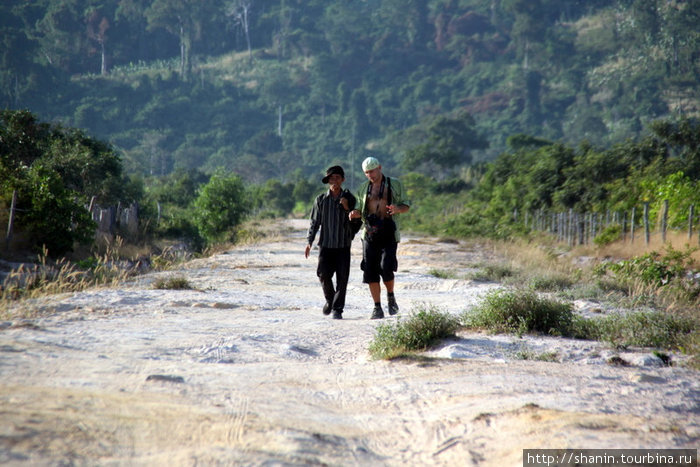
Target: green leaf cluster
{"type": "Point", "coordinates": [54, 172]}
{"type": "Point", "coordinates": [181, 84]}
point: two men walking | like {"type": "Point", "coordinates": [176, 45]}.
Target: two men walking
{"type": "Point", "coordinates": [378, 201]}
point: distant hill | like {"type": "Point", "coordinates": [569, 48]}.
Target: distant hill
{"type": "Point", "coordinates": [268, 88]}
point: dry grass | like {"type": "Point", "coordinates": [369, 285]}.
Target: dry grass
{"type": "Point", "coordinates": [628, 249]}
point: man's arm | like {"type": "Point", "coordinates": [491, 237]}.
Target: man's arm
{"type": "Point", "coordinates": [314, 224]}
{"type": "Point", "coordinates": [400, 203]}
{"type": "Point", "coordinates": [359, 202]}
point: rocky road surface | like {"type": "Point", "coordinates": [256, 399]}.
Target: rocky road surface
{"type": "Point", "coordinates": [245, 370]}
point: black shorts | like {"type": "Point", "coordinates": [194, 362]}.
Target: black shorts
{"type": "Point", "coordinates": [378, 260]}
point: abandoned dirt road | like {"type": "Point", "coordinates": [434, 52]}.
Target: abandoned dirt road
{"type": "Point", "coordinates": [245, 370]}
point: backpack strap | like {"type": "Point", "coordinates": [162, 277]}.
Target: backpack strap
{"type": "Point", "coordinates": [388, 196]}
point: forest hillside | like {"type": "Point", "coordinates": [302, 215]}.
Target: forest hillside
{"type": "Point", "coordinates": [283, 88]}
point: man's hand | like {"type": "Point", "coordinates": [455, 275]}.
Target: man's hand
{"type": "Point", "coordinates": [344, 203]}
{"type": "Point", "coordinates": [354, 214]}
{"type": "Point", "coordinates": [401, 208]}
{"type": "Point", "coordinates": [306, 251]}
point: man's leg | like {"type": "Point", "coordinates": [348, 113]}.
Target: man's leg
{"type": "Point", "coordinates": [376, 290]}
{"type": "Point", "coordinates": [342, 274]}
{"type": "Point", "coordinates": [389, 286]}
{"type": "Point", "coordinates": [389, 265]}
{"type": "Point", "coordinates": [371, 259]}
{"type": "Point", "coordinates": [325, 272]}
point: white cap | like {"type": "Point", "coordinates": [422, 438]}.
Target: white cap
{"type": "Point", "coordinates": [370, 163]}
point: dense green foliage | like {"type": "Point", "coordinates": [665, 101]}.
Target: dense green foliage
{"type": "Point", "coordinates": [486, 109]}
{"type": "Point", "coordinates": [54, 172]}
{"type": "Point", "coordinates": [264, 87]}
{"type": "Point", "coordinates": [220, 206]}
{"type": "Point", "coordinates": [539, 175]}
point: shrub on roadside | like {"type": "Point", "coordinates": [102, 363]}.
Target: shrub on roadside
{"type": "Point", "coordinates": [646, 329]}
{"type": "Point", "coordinates": [550, 282]}
{"type": "Point", "coordinates": [172, 283]}
{"type": "Point", "coordinates": [492, 273]}
{"type": "Point", "coordinates": [418, 332]}
{"type": "Point", "coordinates": [443, 273]}
{"type": "Point", "coordinates": [520, 311]}
{"type": "Point", "coordinates": [610, 234]}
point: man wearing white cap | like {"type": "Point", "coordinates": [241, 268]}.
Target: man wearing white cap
{"type": "Point", "coordinates": [379, 200]}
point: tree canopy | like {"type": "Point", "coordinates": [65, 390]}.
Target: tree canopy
{"type": "Point", "coordinates": [176, 84]}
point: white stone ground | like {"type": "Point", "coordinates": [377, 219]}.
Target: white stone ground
{"type": "Point", "coordinates": [246, 370]}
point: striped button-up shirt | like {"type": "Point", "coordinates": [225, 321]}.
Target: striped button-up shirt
{"type": "Point", "coordinates": [330, 216]}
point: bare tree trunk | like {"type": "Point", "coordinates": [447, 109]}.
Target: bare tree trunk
{"type": "Point", "coordinates": [10, 223]}
{"type": "Point", "coordinates": [245, 6]}
{"type": "Point", "coordinates": [279, 120]}
{"type": "Point", "coordinates": [182, 52]}
{"type": "Point", "coordinates": [103, 66]}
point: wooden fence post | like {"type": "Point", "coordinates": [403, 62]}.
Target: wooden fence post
{"type": "Point", "coordinates": [634, 212]}
{"type": "Point", "coordinates": [646, 222]}
{"type": "Point", "coordinates": [664, 221]}
{"type": "Point", "coordinates": [691, 214]}
{"type": "Point", "coordinates": [10, 223]}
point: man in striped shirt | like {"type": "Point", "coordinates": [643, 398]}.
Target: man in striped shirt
{"type": "Point", "coordinates": [330, 214]}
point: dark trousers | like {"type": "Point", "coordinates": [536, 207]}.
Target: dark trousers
{"type": "Point", "coordinates": [378, 260]}
{"type": "Point", "coordinates": [334, 261]}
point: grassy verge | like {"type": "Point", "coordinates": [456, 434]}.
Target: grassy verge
{"type": "Point", "coordinates": [172, 283]}
{"type": "Point", "coordinates": [520, 312]}
{"type": "Point", "coordinates": [523, 311]}
{"type": "Point", "coordinates": [424, 326]}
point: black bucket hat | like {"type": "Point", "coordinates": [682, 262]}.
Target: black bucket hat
{"type": "Point", "coordinates": [336, 169]}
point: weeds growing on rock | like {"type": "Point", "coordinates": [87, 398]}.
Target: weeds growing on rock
{"type": "Point", "coordinates": [172, 283]}
{"type": "Point", "coordinates": [443, 273]}
{"type": "Point", "coordinates": [520, 311]}
{"type": "Point", "coordinates": [423, 327]}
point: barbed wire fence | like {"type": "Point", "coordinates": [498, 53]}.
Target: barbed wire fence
{"type": "Point", "coordinates": [576, 228]}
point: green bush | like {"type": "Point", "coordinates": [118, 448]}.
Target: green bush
{"type": "Point", "coordinates": [422, 329]}
{"type": "Point", "coordinates": [520, 311]}
{"type": "Point", "coordinates": [172, 283]}
{"type": "Point", "coordinates": [443, 273]}
{"type": "Point", "coordinates": [609, 235]}
{"type": "Point", "coordinates": [646, 329]}
{"type": "Point", "coordinates": [651, 268]}
{"type": "Point", "coordinates": [550, 282]}
{"type": "Point", "coordinates": [220, 207]}
{"type": "Point", "coordinates": [493, 272]}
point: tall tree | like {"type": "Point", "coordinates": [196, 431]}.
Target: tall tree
{"type": "Point", "coordinates": [182, 18]}
{"type": "Point", "coordinates": [97, 26]}
{"type": "Point", "coordinates": [529, 26]}
{"type": "Point", "coordinates": [449, 142]}
{"type": "Point", "coordinates": [59, 36]}
{"type": "Point", "coordinates": [240, 11]}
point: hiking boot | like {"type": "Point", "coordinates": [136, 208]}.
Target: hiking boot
{"type": "Point", "coordinates": [337, 314]}
{"type": "Point", "coordinates": [327, 309]}
{"type": "Point", "coordinates": [393, 307]}
{"type": "Point", "coordinates": [377, 313]}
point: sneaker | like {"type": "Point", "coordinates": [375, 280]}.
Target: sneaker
{"type": "Point", "coordinates": [327, 309]}
{"type": "Point", "coordinates": [393, 307]}
{"type": "Point", "coordinates": [377, 313]}
{"type": "Point", "coordinates": [337, 314]}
